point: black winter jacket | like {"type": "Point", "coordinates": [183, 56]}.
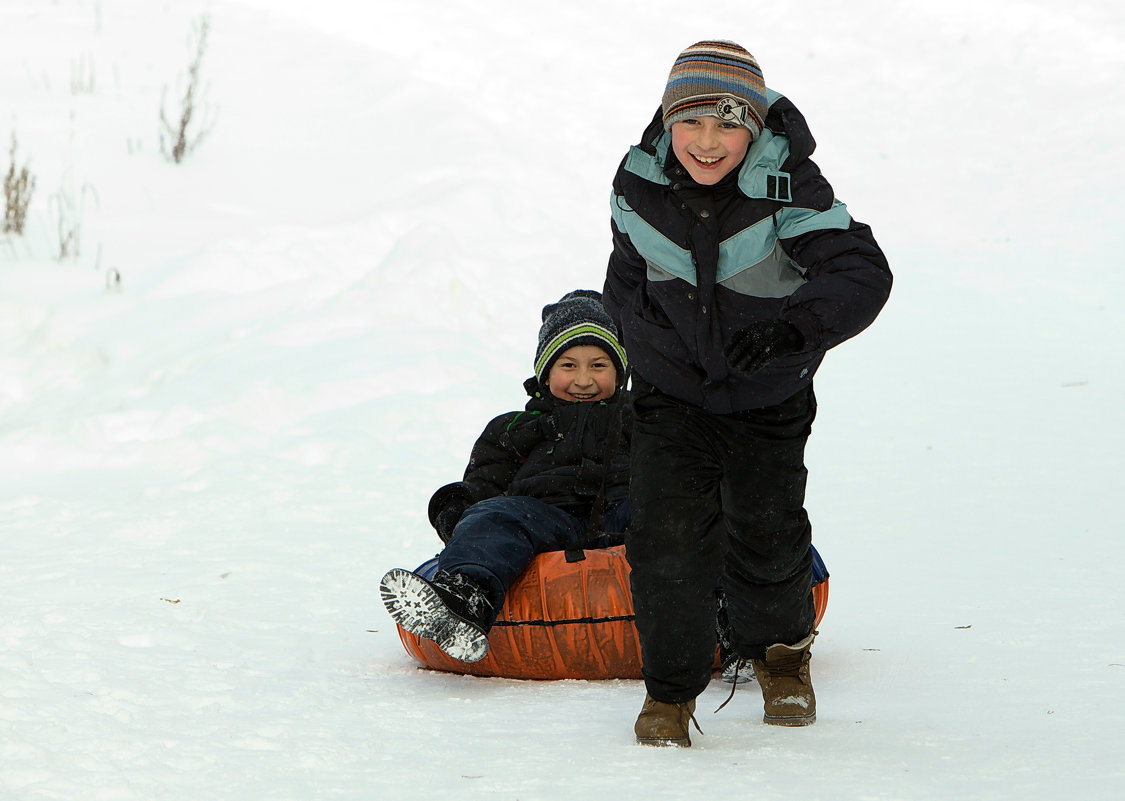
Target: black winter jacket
{"type": "Point", "coordinates": [553, 450]}
{"type": "Point", "coordinates": [691, 265]}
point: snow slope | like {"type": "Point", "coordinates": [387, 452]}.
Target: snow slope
{"type": "Point", "coordinates": [205, 468]}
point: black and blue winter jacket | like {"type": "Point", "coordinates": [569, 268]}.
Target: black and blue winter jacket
{"type": "Point", "coordinates": [692, 264]}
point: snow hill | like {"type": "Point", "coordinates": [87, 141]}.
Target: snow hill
{"type": "Point", "coordinates": [221, 415]}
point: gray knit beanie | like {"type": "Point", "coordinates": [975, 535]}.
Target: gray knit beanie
{"type": "Point", "coordinates": [577, 319]}
{"type": "Point", "coordinates": [720, 79]}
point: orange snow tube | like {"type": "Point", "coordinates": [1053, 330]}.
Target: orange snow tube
{"type": "Point", "coordinates": [561, 620]}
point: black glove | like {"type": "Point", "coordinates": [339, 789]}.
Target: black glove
{"type": "Point", "coordinates": [758, 344]}
{"type": "Point", "coordinates": [446, 507]}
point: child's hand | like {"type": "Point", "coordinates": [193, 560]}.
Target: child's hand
{"type": "Point", "coordinates": [758, 344]}
{"type": "Point", "coordinates": [446, 507]}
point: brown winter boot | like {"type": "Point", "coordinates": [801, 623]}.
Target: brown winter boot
{"type": "Point", "coordinates": [786, 686]}
{"type": "Point", "coordinates": [664, 724]}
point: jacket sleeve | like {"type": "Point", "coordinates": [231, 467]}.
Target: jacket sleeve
{"type": "Point", "coordinates": [491, 466]}
{"type": "Point", "coordinates": [501, 449]}
{"type": "Point", "coordinates": [848, 278]}
{"type": "Point", "coordinates": [849, 281]}
{"type": "Point", "coordinates": [625, 273]}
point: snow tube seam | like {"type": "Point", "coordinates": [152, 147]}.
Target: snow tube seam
{"type": "Point", "coordinates": [571, 621]}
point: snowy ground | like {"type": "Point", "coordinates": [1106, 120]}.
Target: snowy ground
{"type": "Point", "coordinates": [204, 470]}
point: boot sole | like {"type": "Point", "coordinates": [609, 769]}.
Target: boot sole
{"type": "Point", "coordinates": [416, 606]}
{"type": "Point", "coordinates": [788, 720]}
{"type": "Point", "coordinates": [664, 742]}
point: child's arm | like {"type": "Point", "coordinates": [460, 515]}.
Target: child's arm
{"type": "Point", "coordinates": [849, 281]}
{"type": "Point", "coordinates": [492, 465]}
{"type": "Point", "coordinates": [495, 459]}
{"type": "Point", "coordinates": [504, 445]}
{"type": "Point", "coordinates": [848, 278]}
{"type": "Point", "coordinates": [626, 272]}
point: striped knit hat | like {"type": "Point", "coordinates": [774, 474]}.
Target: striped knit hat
{"type": "Point", "coordinates": [717, 79]}
{"type": "Point", "coordinates": [577, 319]}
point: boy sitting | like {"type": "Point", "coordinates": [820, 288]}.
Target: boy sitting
{"type": "Point", "coordinates": [549, 477]}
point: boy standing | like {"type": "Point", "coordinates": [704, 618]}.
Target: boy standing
{"type": "Point", "coordinates": [734, 268]}
{"type": "Point", "coordinates": [549, 477]}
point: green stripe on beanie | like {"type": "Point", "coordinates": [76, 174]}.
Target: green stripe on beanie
{"type": "Point", "coordinates": [578, 318]}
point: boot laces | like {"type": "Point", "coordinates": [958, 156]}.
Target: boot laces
{"type": "Point", "coordinates": [788, 666]}
{"type": "Point", "coordinates": [471, 596]}
{"type": "Point", "coordinates": [739, 662]}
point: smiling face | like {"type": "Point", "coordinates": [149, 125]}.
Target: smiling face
{"type": "Point", "coordinates": [582, 373]}
{"type": "Point", "coordinates": [709, 148]}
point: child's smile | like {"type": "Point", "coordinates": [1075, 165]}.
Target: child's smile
{"type": "Point", "coordinates": [709, 148]}
{"type": "Point", "coordinates": [583, 373]}
{"type": "Point", "coordinates": [708, 163]}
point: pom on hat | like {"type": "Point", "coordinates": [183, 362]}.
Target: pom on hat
{"type": "Point", "coordinates": [716, 79]}
{"type": "Point", "coordinates": [577, 319]}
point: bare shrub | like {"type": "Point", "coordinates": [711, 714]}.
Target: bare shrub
{"type": "Point", "coordinates": [18, 188]}
{"type": "Point", "coordinates": [179, 138]}
{"type": "Point", "coordinates": [68, 210]}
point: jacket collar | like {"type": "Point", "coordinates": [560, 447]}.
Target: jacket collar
{"type": "Point", "coordinates": [759, 177]}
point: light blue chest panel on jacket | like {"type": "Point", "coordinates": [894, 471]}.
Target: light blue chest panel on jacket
{"type": "Point", "coordinates": [752, 261]}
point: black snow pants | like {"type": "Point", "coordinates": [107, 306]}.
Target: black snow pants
{"type": "Point", "coordinates": [717, 500]}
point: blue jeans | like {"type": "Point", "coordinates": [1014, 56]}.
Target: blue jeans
{"type": "Point", "coordinates": [497, 538]}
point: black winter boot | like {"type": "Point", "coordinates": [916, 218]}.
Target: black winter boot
{"type": "Point", "coordinates": [451, 610]}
